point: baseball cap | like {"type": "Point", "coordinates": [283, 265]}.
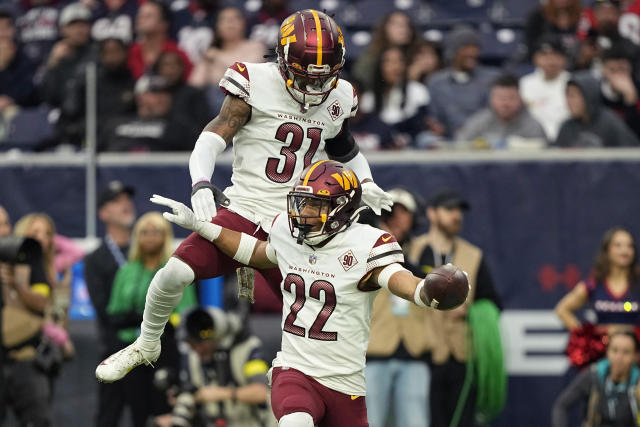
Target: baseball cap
{"type": "Point", "coordinates": [404, 198]}
{"type": "Point", "coordinates": [449, 199]}
{"type": "Point", "coordinates": [113, 190]}
{"type": "Point", "coordinates": [74, 12]}
{"type": "Point", "coordinates": [199, 325]}
{"type": "Point", "coordinates": [151, 83]}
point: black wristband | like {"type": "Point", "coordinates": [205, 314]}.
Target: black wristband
{"type": "Point", "coordinates": [200, 185]}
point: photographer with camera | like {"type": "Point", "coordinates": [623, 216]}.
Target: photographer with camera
{"type": "Point", "coordinates": [26, 294]}
{"type": "Point", "coordinates": [222, 380]}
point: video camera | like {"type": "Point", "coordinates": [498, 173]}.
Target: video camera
{"type": "Point", "coordinates": [19, 250]}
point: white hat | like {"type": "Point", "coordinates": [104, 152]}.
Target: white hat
{"type": "Point", "coordinates": [74, 12]}
{"type": "Point", "coordinates": [404, 198]}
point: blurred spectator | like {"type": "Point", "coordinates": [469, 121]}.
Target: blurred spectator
{"type": "Point", "coordinates": [426, 59]}
{"type": "Point", "coordinates": [554, 17]}
{"type": "Point", "coordinates": [601, 34]}
{"type": "Point", "coordinates": [151, 247]}
{"type": "Point", "coordinates": [461, 89]}
{"type": "Point", "coordinates": [194, 27]}
{"type": "Point", "coordinates": [504, 120]}
{"type": "Point", "coordinates": [396, 372]}
{"type": "Point", "coordinates": [613, 288]}
{"type": "Point", "coordinates": [543, 91]}
{"type": "Point", "coordinates": [41, 227]}
{"type": "Point", "coordinates": [369, 131]}
{"type": "Point", "coordinates": [117, 212]}
{"type": "Point", "coordinates": [55, 345]}
{"type": "Point", "coordinates": [608, 388]}
{"type": "Point", "coordinates": [152, 29]}
{"type": "Point", "coordinates": [397, 101]}
{"type": "Point", "coordinates": [113, 19]}
{"type": "Point", "coordinates": [188, 101]}
{"type": "Point", "coordinates": [38, 28]}
{"type": "Point", "coordinates": [439, 246]}
{"type": "Point", "coordinates": [16, 69]}
{"type": "Point", "coordinates": [26, 294]}
{"type": "Point", "coordinates": [618, 87]}
{"type": "Point", "coordinates": [394, 30]}
{"type": "Point", "coordinates": [265, 24]}
{"type": "Point", "coordinates": [222, 377]}
{"type": "Point", "coordinates": [591, 124]}
{"type": "Point", "coordinates": [69, 54]}
{"type": "Point", "coordinates": [630, 21]}
{"type": "Point", "coordinates": [152, 127]}
{"type": "Point", "coordinates": [229, 45]}
{"type": "Point", "coordinates": [114, 84]}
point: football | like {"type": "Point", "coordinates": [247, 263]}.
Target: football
{"type": "Point", "coordinates": [446, 287]}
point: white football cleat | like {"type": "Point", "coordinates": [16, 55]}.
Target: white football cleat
{"type": "Point", "coordinates": [119, 364]}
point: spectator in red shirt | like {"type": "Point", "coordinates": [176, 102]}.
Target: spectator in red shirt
{"type": "Point", "coordinates": [152, 27]}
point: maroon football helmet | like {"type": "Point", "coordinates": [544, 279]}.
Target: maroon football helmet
{"type": "Point", "coordinates": [310, 53]}
{"type": "Point", "coordinates": [326, 190]}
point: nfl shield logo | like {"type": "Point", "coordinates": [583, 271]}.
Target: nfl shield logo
{"type": "Point", "coordinates": [312, 259]}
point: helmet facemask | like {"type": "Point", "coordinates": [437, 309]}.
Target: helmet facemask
{"type": "Point", "coordinates": [328, 215]}
{"type": "Point", "coordinates": [310, 88]}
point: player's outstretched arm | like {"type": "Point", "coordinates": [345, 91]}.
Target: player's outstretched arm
{"type": "Point", "coordinates": [212, 141]}
{"type": "Point", "coordinates": [401, 282]}
{"type": "Point", "coordinates": [242, 247]}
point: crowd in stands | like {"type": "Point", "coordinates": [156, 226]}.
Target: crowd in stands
{"type": "Point", "coordinates": [483, 76]}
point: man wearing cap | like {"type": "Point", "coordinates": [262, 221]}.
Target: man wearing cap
{"type": "Point", "coordinates": [450, 350]}
{"type": "Point", "coordinates": [223, 379]}
{"type": "Point", "coordinates": [397, 374]}
{"type": "Point", "coordinates": [69, 53]}
{"type": "Point", "coordinates": [153, 127]}
{"type": "Point", "coordinates": [460, 89]}
{"type": "Point", "coordinates": [117, 212]}
{"type": "Point", "coordinates": [543, 90]}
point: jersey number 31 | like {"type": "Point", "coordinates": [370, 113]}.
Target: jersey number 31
{"type": "Point", "coordinates": [289, 151]}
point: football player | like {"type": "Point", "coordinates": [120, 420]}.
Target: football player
{"type": "Point", "coordinates": [281, 116]}
{"type": "Point", "coordinates": [332, 267]}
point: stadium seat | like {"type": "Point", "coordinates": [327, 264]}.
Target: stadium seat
{"type": "Point", "coordinates": [27, 129]}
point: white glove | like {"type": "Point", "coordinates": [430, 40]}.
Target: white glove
{"type": "Point", "coordinates": [184, 217]}
{"type": "Point", "coordinates": [203, 200]}
{"type": "Point", "coordinates": [376, 198]}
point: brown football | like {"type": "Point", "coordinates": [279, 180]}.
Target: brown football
{"type": "Point", "coordinates": [446, 287]}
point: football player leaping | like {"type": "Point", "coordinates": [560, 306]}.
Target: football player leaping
{"type": "Point", "coordinates": [282, 117]}
{"type": "Point", "coordinates": [332, 268]}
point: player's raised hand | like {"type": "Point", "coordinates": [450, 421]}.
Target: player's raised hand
{"type": "Point", "coordinates": [182, 215]}
{"type": "Point", "coordinates": [376, 198]}
{"type": "Point", "coordinates": [203, 200]}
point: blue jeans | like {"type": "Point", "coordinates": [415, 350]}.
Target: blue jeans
{"type": "Point", "coordinates": [403, 384]}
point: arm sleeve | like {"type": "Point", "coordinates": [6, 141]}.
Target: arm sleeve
{"type": "Point", "coordinates": [360, 166]}
{"type": "Point", "coordinates": [577, 390]}
{"type": "Point", "coordinates": [342, 147]}
{"type": "Point", "coordinates": [203, 157]}
{"type": "Point", "coordinates": [485, 288]}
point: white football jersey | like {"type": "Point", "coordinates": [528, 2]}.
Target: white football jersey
{"type": "Point", "coordinates": [279, 141]}
{"type": "Point", "coordinates": [325, 316]}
